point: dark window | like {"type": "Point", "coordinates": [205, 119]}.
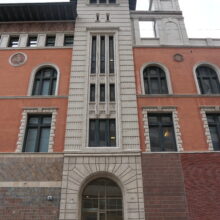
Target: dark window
{"type": "Point", "coordinates": [45, 82]}
{"type": "Point", "coordinates": [208, 80]}
{"type": "Point", "coordinates": [102, 92]}
{"type": "Point", "coordinates": [214, 127]}
{"type": "Point", "coordinates": [13, 41]}
{"type": "Point", "coordinates": [112, 92]}
{"type": "Point", "coordinates": [93, 55]}
{"type": "Point", "coordinates": [102, 132]}
{"type": "Point", "coordinates": [102, 55]}
{"type": "Point", "coordinates": [161, 132]}
{"type": "Point", "coordinates": [50, 41]}
{"type": "Point", "coordinates": [102, 199]}
{"type": "Point", "coordinates": [92, 92]}
{"type": "Point", "coordinates": [68, 40]}
{"type": "Point", "coordinates": [155, 81]}
{"type": "Point", "coordinates": [102, 1]}
{"type": "Point", "coordinates": [112, 1]}
{"type": "Point", "coordinates": [111, 55]}
{"type": "Point", "coordinates": [37, 133]}
{"type": "Point", "coordinates": [32, 41]}
{"type": "Point", "coordinates": [93, 1]}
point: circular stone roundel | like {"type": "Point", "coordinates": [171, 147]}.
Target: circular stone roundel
{"type": "Point", "coordinates": [18, 59]}
{"type": "Point", "coordinates": [178, 57]}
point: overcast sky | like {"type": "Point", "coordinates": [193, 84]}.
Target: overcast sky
{"type": "Point", "coordinates": [202, 17]}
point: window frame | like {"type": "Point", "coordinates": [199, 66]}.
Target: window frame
{"type": "Point", "coordinates": [39, 127]}
{"type": "Point", "coordinates": [210, 65]}
{"type": "Point", "coordinates": [24, 120]}
{"type": "Point", "coordinates": [162, 110]}
{"type": "Point", "coordinates": [167, 74]}
{"type": "Point", "coordinates": [10, 45]}
{"type": "Point", "coordinates": [28, 44]}
{"type": "Point", "coordinates": [97, 134]}
{"type": "Point", "coordinates": [64, 40]}
{"type": "Point", "coordinates": [204, 110]}
{"type": "Point", "coordinates": [160, 125]}
{"type": "Point", "coordinates": [46, 40]}
{"type": "Point", "coordinates": [35, 71]}
{"type": "Point", "coordinates": [41, 79]}
{"type": "Point", "coordinates": [98, 2]}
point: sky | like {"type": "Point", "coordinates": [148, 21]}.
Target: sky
{"type": "Point", "coordinates": [202, 17]}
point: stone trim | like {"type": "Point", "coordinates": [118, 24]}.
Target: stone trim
{"type": "Point", "coordinates": [166, 71]}
{"type": "Point", "coordinates": [22, 129]}
{"type": "Point", "coordinates": [31, 184]}
{"type": "Point", "coordinates": [162, 109]}
{"type": "Point", "coordinates": [124, 170]}
{"type": "Point", "coordinates": [203, 111]}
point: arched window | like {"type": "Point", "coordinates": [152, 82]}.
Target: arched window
{"type": "Point", "coordinates": [45, 82]}
{"type": "Point", "coordinates": [102, 200]}
{"type": "Point", "coordinates": [155, 80]}
{"type": "Point", "coordinates": [208, 80]}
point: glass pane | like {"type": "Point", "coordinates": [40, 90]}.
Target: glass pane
{"type": "Point", "coordinates": [154, 133]}
{"type": "Point", "coordinates": [155, 89]}
{"type": "Point", "coordinates": [47, 120]}
{"type": "Point", "coordinates": [102, 55]}
{"type": "Point", "coordinates": [166, 119]}
{"type": "Point", "coordinates": [47, 73]}
{"type": "Point", "coordinates": [93, 55]}
{"type": "Point", "coordinates": [111, 55]}
{"type": "Point", "coordinates": [33, 120]}
{"type": "Point", "coordinates": [114, 215]}
{"type": "Point", "coordinates": [50, 41]}
{"type": "Point", "coordinates": [54, 83]}
{"type": "Point", "coordinates": [112, 132]}
{"type": "Point", "coordinates": [206, 86]}
{"type": "Point", "coordinates": [92, 129]}
{"type": "Point", "coordinates": [102, 133]}
{"type": "Point", "coordinates": [90, 216]}
{"type": "Point", "coordinates": [152, 119]}
{"type": "Point", "coordinates": [44, 140]}
{"type": "Point", "coordinates": [102, 92]}
{"type": "Point", "coordinates": [164, 89]}
{"type": "Point", "coordinates": [112, 1]}
{"type": "Point", "coordinates": [92, 92]}
{"type": "Point", "coordinates": [36, 87]}
{"type": "Point", "coordinates": [68, 41]}
{"type": "Point", "coordinates": [169, 143]}
{"type": "Point", "coordinates": [45, 87]}
{"type": "Point", "coordinates": [30, 140]}
{"type": "Point", "coordinates": [112, 92]}
{"type": "Point", "coordinates": [90, 204]}
{"type": "Point", "coordinates": [102, 1]}
{"type": "Point", "coordinates": [215, 137]}
{"type": "Point", "coordinates": [102, 216]}
{"type": "Point", "coordinates": [102, 203]}
{"type": "Point", "coordinates": [215, 85]}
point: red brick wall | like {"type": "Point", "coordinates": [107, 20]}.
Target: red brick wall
{"type": "Point", "coordinates": [202, 183]}
{"type": "Point", "coordinates": [164, 192]}
{"type": "Point", "coordinates": [182, 186]}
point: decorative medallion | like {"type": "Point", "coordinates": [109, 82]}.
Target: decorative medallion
{"type": "Point", "coordinates": [178, 57]}
{"type": "Point", "coordinates": [18, 59]}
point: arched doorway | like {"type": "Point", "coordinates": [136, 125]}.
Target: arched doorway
{"type": "Point", "coordinates": [102, 200]}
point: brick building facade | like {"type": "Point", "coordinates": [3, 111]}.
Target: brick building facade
{"type": "Point", "coordinates": [101, 123]}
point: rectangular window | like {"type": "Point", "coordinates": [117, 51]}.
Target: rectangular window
{"type": "Point", "coordinates": [102, 54]}
{"type": "Point", "coordinates": [93, 55]}
{"type": "Point", "coordinates": [112, 92]}
{"type": "Point", "coordinates": [50, 41]}
{"type": "Point", "coordinates": [102, 1]}
{"type": "Point", "coordinates": [13, 41]}
{"type": "Point", "coordinates": [93, 1]}
{"type": "Point", "coordinates": [32, 41]}
{"type": "Point", "coordinates": [68, 40]}
{"type": "Point", "coordinates": [112, 1]}
{"type": "Point", "coordinates": [92, 93]}
{"type": "Point", "coordinates": [102, 92]}
{"type": "Point", "coordinates": [111, 55]}
{"type": "Point", "coordinates": [37, 133]}
{"type": "Point", "coordinates": [161, 132]}
{"type": "Point", "coordinates": [102, 132]}
{"type": "Point", "coordinates": [214, 128]}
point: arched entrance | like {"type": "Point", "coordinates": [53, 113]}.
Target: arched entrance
{"type": "Point", "coordinates": [102, 200]}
